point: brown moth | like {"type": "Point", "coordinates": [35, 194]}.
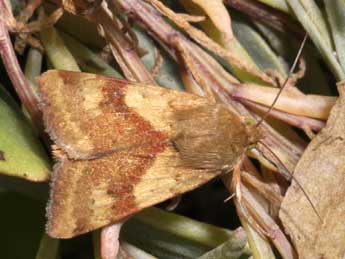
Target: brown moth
{"type": "Point", "coordinates": [124, 146]}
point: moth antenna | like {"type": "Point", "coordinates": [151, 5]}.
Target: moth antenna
{"type": "Point", "coordinates": [229, 198]}
{"type": "Point", "coordinates": [298, 56]}
{"type": "Point", "coordinates": [294, 178]}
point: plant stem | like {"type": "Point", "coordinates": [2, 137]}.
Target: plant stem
{"type": "Point", "coordinates": [58, 54]}
{"type": "Point", "coordinates": [123, 50]}
{"type": "Point", "coordinates": [48, 248]}
{"type": "Point", "coordinates": [291, 101]}
{"type": "Point", "coordinates": [20, 83]}
{"type": "Point", "coordinates": [267, 15]}
{"type": "Point", "coordinates": [33, 65]}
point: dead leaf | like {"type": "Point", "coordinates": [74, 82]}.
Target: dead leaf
{"type": "Point", "coordinates": [321, 172]}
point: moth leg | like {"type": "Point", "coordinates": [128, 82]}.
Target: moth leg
{"type": "Point", "coordinates": [242, 204]}
{"type": "Point", "coordinates": [236, 181]}
{"type": "Point", "coordinates": [242, 208]}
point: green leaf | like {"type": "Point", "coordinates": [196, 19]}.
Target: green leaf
{"type": "Point", "coordinates": [87, 60]}
{"type": "Point", "coordinates": [59, 55]}
{"type": "Point", "coordinates": [256, 46]}
{"type": "Point", "coordinates": [135, 252]}
{"type": "Point", "coordinates": [21, 153]}
{"type": "Point", "coordinates": [278, 4]}
{"type": "Point", "coordinates": [336, 17]}
{"type": "Point", "coordinates": [168, 74]}
{"type": "Point", "coordinates": [286, 47]}
{"type": "Point", "coordinates": [235, 247]}
{"type": "Point", "coordinates": [313, 22]}
{"type": "Point", "coordinates": [168, 235]}
{"type": "Point", "coordinates": [199, 232]}
{"type": "Point", "coordinates": [159, 243]}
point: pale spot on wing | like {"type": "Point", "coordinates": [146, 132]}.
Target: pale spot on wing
{"type": "Point", "coordinates": [102, 201]}
{"type": "Point", "coordinates": [144, 101]}
{"type": "Point", "coordinates": [92, 99]}
{"type": "Point", "coordinates": [100, 197]}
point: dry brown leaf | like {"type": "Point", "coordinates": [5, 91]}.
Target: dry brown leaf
{"type": "Point", "coordinates": [321, 172]}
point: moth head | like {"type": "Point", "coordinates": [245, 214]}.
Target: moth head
{"type": "Point", "coordinates": [254, 133]}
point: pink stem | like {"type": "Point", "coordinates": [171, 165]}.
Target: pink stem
{"type": "Point", "coordinates": [298, 121]}
{"type": "Point", "coordinates": [291, 100]}
{"type": "Point", "coordinates": [110, 244]}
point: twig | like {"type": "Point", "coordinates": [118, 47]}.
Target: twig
{"type": "Point", "coordinates": [20, 83]}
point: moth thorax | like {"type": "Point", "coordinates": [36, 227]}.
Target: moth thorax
{"type": "Point", "coordinates": [210, 137]}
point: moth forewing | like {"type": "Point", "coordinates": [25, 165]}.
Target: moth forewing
{"type": "Point", "coordinates": [142, 133]}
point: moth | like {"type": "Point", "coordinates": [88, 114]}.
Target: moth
{"type": "Point", "coordinates": [124, 146]}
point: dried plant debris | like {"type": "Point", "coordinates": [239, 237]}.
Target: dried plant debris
{"type": "Point", "coordinates": [321, 171]}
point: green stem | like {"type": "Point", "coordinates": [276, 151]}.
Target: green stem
{"type": "Point", "coordinates": [87, 60]}
{"type": "Point", "coordinates": [184, 227]}
{"type": "Point", "coordinates": [58, 54]}
{"type": "Point", "coordinates": [48, 248]}
{"type": "Point", "coordinates": [33, 66]}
